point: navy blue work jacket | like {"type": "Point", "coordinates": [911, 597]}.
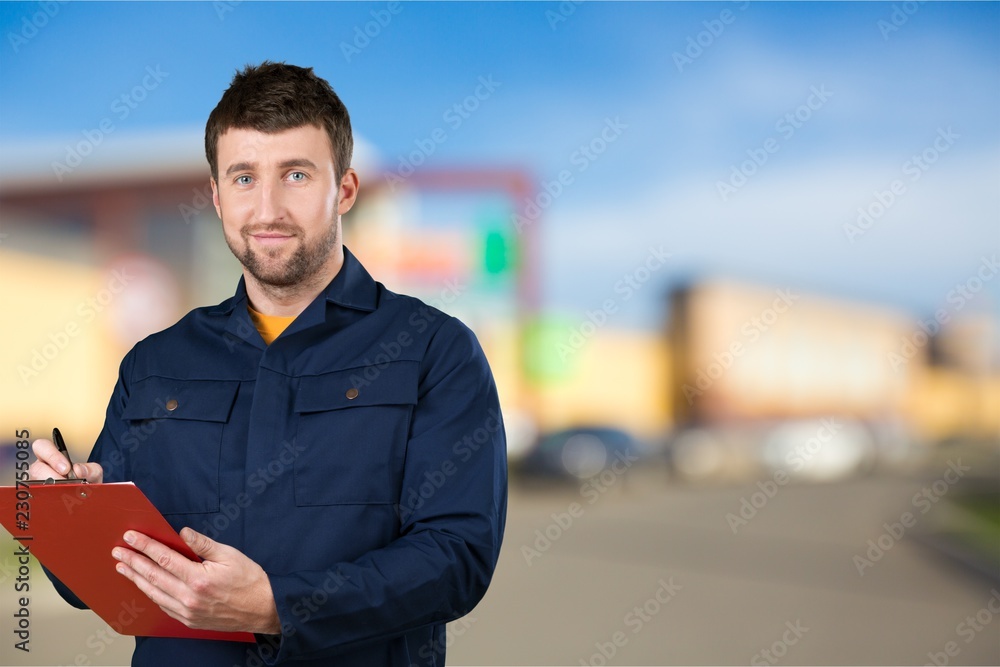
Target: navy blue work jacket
{"type": "Point", "coordinates": [359, 459]}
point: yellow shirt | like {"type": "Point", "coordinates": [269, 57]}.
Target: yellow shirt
{"type": "Point", "coordinates": [269, 326]}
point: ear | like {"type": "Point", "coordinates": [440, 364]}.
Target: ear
{"type": "Point", "coordinates": [215, 197]}
{"type": "Point", "coordinates": [349, 186]}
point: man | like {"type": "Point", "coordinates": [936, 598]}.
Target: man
{"type": "Point", "coordinates": [344, 511]}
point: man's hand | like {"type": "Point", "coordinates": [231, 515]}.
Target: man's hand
{"type": "Point", "coordinates": [52, 463]}
{"type": "Point", "coordinates": [227, 591]}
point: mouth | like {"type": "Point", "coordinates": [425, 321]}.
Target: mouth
{"type": "Point", "coordinates": [270, 237]}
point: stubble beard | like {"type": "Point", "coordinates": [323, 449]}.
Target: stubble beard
{"type": "Point", "coordinates": [300, 269]}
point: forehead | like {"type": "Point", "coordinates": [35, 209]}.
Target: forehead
{"type": "Point", "coordinates": [256, 147]}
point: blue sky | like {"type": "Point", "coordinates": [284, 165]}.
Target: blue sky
{"type": "Point", "coordinates": [890, 94]}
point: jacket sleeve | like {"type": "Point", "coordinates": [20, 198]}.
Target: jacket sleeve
{"type": "Point", "coordinates": [452, 509]}
{"type": "Point", "coordinates": [109, 452]}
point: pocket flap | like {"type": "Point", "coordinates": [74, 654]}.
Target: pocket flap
{"type": "Point", "coordinates": [167, 398]}
{"type": "Point", "coordinates": [393, 384]}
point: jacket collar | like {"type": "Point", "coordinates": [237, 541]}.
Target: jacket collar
{"type": "Point", "coordinates": [352, 287]}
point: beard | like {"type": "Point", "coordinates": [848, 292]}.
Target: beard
{"type": "Point", "coordinates": [306, 260]}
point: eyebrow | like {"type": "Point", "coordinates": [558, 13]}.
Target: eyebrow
{"type": "Point", "coordinates": [287, 164]}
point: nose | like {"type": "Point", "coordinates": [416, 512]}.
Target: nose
{"type": "Point", "coordinates": [270, 207]}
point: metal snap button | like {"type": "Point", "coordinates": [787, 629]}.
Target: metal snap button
{"type": "Point", "coordinates": [172, 404]}
{"type": "Point", "coordinates": [352, 393]}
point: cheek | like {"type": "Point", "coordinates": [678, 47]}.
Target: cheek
{"type": "Point", "coordinates": [330, 202]}
{"type": "Point", "coordinates": [234, 211]}
{"type": "Point", "coordinates": [319, 209]}
{"type": "Point", "coordinates": [330, 205]}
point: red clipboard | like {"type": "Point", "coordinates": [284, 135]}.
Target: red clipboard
{"type": "Point", "coordinates": [71, 529]}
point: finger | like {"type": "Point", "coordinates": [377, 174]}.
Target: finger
{"type": "Point", "coordinates": [49, 455]}
{"type": "Point", "coordinates": [161, 555]}
{"type": "Point", "coordinates": [202, 545]}
{"type": "Point", "coordinates": [92, 472]}
{"type": "Point", "coordinates": [150, 573]}
{"type": "Point", "coordinates": [40, 470]}
{"type": "Point", "coordinates": [170, 605]}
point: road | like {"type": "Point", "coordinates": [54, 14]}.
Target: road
{"type": "Point", "coordinates": [791, 566]}
{"type": "Point", "coordinates": [642, 571]}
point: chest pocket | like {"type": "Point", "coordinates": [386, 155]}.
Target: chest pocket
{"type": "Point", "coordinates": [351, 434]}
{"type": "Point", "coordinates": [175, 434]}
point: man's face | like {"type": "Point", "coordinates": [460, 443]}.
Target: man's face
{"type": "Point", "coordinates": [280, 203]}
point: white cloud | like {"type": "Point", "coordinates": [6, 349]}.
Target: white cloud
{"type": "Point", "coordinates": [788, 224]}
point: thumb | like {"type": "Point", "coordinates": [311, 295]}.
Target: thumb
{"type": "Point", "coordinates": [202, 545]}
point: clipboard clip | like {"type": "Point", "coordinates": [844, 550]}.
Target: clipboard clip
{"type": "Point", "coordinates": [52, 480]}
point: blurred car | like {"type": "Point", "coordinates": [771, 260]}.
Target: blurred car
{"type": "Point", "coordinates": [580, 453]}
{"type": "Point", "coordinates": [804, 449]}
{"type": "Point", "coordinates": [819, 449]}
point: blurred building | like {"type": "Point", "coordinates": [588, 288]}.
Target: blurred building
{"type": "Point", "coordinates": [580, 376]}
{"type": "Point", "coordinates": [955, 396]}
{"type": "Point", "coordinates": [751, 352]}
{"type": "Point", "coordinates": [757, 370]}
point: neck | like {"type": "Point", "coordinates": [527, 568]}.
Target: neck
{"type": "Point", "coordinates": [290, 300]}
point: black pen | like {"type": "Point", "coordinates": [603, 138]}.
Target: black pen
{"type": "Point", "coordinates": [61, 446]}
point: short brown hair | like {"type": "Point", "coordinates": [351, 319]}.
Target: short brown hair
{"type": "Point", "coordinates": [273, 97]}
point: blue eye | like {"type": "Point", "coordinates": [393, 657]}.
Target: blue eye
{"type": "Point", "coordinates": [243, 180]}
{"type": "Point", "coordinates": [297, 176]}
